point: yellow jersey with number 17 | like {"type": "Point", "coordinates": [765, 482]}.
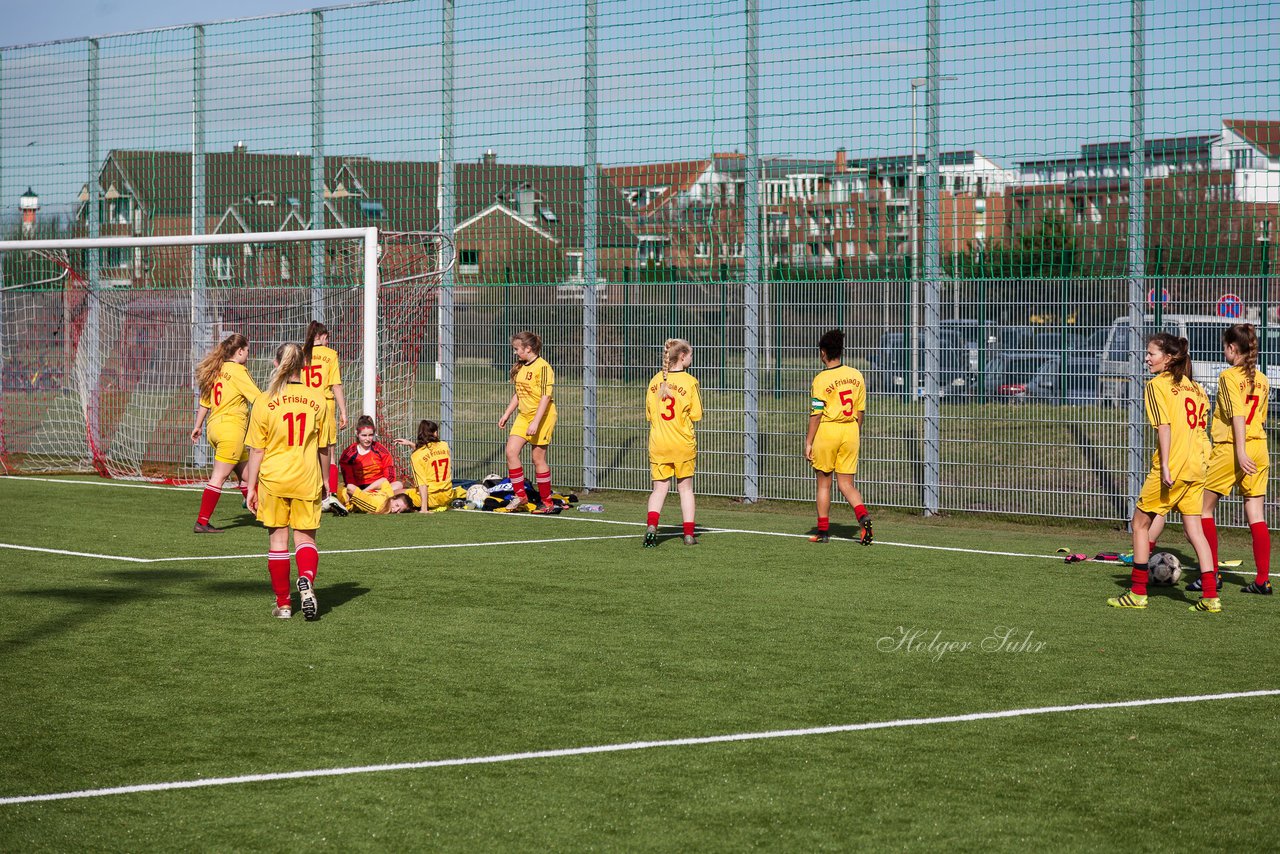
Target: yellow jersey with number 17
{"type": "Point", "coordinates": [838, 395]}
{"type": "Point", "coordinates": [324, 372]}
{"type": "Point", "coordinates": [671, 419]}
{"type": "Point", "coordinates": [233, 392]}
{"type": "Point", "coordinates": [1236, 397]}
{"type": "Point", "coordinates": [431, 466]}
{"type": "Point", "coordinates": [534, 381]}
{"type": "Point", "coordinates": [287, 428]}
{"type": "Point", "coordinates": [1184, 406]}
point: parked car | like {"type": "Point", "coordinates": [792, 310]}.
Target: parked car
{"type": "Point", "coordinates": [891, 364]}
{"type": "Point", "coordinates": [1073, 382]}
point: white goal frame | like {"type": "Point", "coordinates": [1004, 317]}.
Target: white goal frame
{"type": "Point", "coordinates": [368, 236]}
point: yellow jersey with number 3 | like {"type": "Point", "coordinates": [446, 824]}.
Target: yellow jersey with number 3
{"type": "Point", "coordinates": [432, 466]}
{"type": "Point", "coordinates": [838, 395]}
{"type": "Point", "coordinates": [671, 419]}
{"type": "Point", "coordinates": [1235, 397]}
{"type": "Point", "coordinates": [233, 392]}
{"type": "Point", "coordinates": [1184, 406]}
{"type": "Point", "coordinates": [533, 382]}
{"type": "Point", "coordinates": [287, 428]}
{"type": "Point", "coordinates": [324, 372]}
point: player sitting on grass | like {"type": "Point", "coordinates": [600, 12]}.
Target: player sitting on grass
{"type": "Point", "coordinates": [672, 405]}
{"type": "Point", "coordinates": [366, 465]}
{"type": "Point", "coordinates": [432, 468]}
{"type": "Point", "coordinates": [839, 403]}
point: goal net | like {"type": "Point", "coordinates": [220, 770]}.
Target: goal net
{"type": "Point", "coordinates": [99, 337]}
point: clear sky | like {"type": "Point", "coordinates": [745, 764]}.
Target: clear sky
{"type": "Point", "coordinates": [1033, 78]}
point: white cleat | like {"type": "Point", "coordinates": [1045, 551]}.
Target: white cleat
{"type": "Point", "coordinates": [282, 612]}
{"type": "Point", "coordinates": [310, 606]}
{"type": "Point", "coordinates": [333, 505]}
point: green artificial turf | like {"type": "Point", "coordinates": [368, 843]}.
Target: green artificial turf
{"type": "Point", "coordinates": [116, 673]}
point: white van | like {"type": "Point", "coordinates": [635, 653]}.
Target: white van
{"type": "Point", "coordinates": [1204, 335]}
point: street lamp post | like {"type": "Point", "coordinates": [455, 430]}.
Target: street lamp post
{"type": "Point", "coordinates": [913, 186]}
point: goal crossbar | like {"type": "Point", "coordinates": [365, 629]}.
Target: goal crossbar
{"type": "Point", "coordinates": [368, 236]}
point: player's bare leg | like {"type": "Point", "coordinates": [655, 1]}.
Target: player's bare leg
{"type": "Point", "coordinates": [656, 499]}
{"type": "Point", "coordinates": [542, 477]}
{"type": "Point", "coordinates": [853, 495]}
{"type": "Point", "coordinates": [824, 508]}
{"type": "Point", "coordinates": [684, 486]}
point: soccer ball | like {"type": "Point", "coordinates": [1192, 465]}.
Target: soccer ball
{"type": "Point", "coordinates": [1165, 569]}
{"type": "Point", "coordinates": [476, 494]}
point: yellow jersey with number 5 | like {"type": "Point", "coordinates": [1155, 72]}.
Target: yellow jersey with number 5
{"type": "Point", "coordinates": [287, 428]}
{"type": "Point", "coordinates": [839, 394]}
{"type": "Point", "coordinates": [671, 419]}
{"type": "Point", "coordinates": [1236, 397]}
{"type": "Point", "coordinates": [1184, 406]}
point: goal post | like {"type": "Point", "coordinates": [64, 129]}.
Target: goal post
{"type": "Point", "coordinates": [117, 355]}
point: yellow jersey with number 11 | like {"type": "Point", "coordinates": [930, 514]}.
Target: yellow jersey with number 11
{"type": "Point", "coordinates": [287, 428]}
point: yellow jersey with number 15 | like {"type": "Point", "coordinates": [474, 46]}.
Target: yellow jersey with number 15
{"type": "Point", "coordinates": [1235, 397]}
{"type": "Point", "coordinates": [671, 419]}
{"type": "Point", "coordinates": [287, 428]}
{"type": "Point", "coordinates": [838, 395]}
{"type": "Point", "coordinates": [324, 372]}
{"type": "Point", "coordinates": [1184, 407]}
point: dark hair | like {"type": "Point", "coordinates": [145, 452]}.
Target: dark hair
{"type": "Point", "coordinates": [428, 432]}
{"type": "Point", "coordinates": [1244, 338]}
{"type": "Point", "coordinates": [832, 343]}
{"type": "Point", "coordinates": [366, 421]}
{"type": "Point", "coordinates": [529, 339]}
{"type": "Point", "coordinates": [1178, 351]}
{"type": "Point", "coordinates": [314, 330]}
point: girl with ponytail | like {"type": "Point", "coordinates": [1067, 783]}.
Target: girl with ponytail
{"type": "Point", "coordinates": [672, 405]}
{"type": "Point", "coordinates": [323, 372]}
{"type": "Point", "coordinates": [1177, 408]}
{"type": "Point", "coordinates": [535, 424]}
{"type": "Point", "coordinates": [285, 477]}
{"type": "Point", "coordinates": [1240, 458]}
{"type": "Point", "coordinates": [226, 393]}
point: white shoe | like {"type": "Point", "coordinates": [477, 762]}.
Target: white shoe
{"type": "Point", "coordinates": [310, 606]}
{"type": "Point", "coordinates": [333, 505]}
{"type": "Point", "coordinates": [282, 612]}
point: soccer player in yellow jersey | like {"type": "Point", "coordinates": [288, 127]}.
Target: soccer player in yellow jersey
{"type": "Point", "coordinates": [432, 468]}
{"type": "Point", "coordinates": [226, 393]}
{"type": "Point", "coordinates": [838, 405]}
{"type": "Point", "coordinates": [672, 405]}
{"type": "Point", "coordinates": [534, 399]}
{"type": "Point", "coordinates": [286, 462]}
{"type": "Point", "coordinates": [322, 371]}
{"type": "Point", "coordinates": [1177, 408]}
{"type": "Point", "coordinates": [1240, 458]}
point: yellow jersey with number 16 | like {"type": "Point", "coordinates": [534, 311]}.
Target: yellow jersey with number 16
{"type": "Point", "coordinates": [287, 428]}
{"type": "Point", "coordinates": [233, 392]}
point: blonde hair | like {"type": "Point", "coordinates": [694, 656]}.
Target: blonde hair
{"type": "Point", "coordinates": [672, 351]}
{"type": "Point", "coordinates": [529, 339]}
{"type": "Point", "coordinates": [289, 363]}
{"type": "Point", "coordinates": [211, 365]}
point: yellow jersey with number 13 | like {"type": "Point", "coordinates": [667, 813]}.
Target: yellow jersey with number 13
{"type": "Point", "coordinates": [287, 428]}
{"type": "Point", "coordinates": [534, 381]}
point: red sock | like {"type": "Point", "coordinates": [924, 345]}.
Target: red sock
{"type": "Point", "coordinates": [652, 519]}
{"type": "Point", "coordinates": [208, 501]}
{"type": "Point", "coordinates": [824, 524]}
{"type": "Point", "coordinates": [688, 528]}
{"type": "Point", "coordinates": [517, 485]}
{"type": "Point", "coordinates": [1138, 579]}
{"type": "Point", "coordinates": [1211, 534]}
{"type": "Point", "coordinates": [308, 558]}
{"type": "Point", "coordinates": [544, 485]}
{"type": "Point", "coordinates": [860, 511]}
{"type": "Point", "coordinates": [333, 478]}
{"type": "Point", "coordinates": [1151, 547]}
{"type": "Point", "coordinates": [1209, 584]}
{"type": "Point", "coordinates": [244, 489]}
{"type": "Point", "coordinates": [1261, 550]}
{"type": "Point", "coordinates": [278, 566]}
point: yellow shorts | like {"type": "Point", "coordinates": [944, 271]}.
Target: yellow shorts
{"type": "Point", "coordinates": [370, 500]}
{"type": "Point", "coordinates": [227, 440]}
{"type": "Point", "coordinates": [330, 434]}
{"type": "Point", "coordinates": [1224, 475]}
{"type": "Point", "coordinates": [442, 497]}
{"type": "Point", "coordinates": [545, 429]}
{"type": "Point", "coordinates": [666, 471]}
{"type": "Point", "coordinates": [1185, 496]}
{"type": "Point", "coordinates": [835, 448]}
{"type": "Point", "coordinates": [301, 514]}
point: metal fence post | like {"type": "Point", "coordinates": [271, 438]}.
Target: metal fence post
{"type": "Point", "coordinates": [201, 331]}
{"type": "Point", "coordinates": [445, 176]}
{"type": "Point", "coordinates": [1137, 463]}
{"type": "Point", "coordinates": [590, 239]}
{"type": "Point", "coordinates": [317, 163]}
{"type": "Point", "coordinates": [932, 451]}
{"type": "Point", "coordinates": [751, 277]}
{"type": "Point", "coordinates": [90, 343]}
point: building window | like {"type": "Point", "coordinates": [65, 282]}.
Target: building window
{"type": "Point", "coordinates": [117, 258]}
{"type": "Point", "coordinates": [700, 249]}
{"type": "Point", "coordinates": [1241, 158]}
{"type": "Point", "coordinates": [573, 266]}
{"type": "Point", "coordinates": [469, 262]}
{"type": "Point", "coordinates": [372, 209]}
{"type": "Point", "coordinates": [222, 268]}
{"type": "Point", "coordinates": [118, 210]}
{"type": "Point", "coordinates": [285, 270]}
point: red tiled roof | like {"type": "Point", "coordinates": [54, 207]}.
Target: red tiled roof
{"type": "Point", "coordinates": [675, 176]}
{"type": "Point", "coordinates": [1265, 136]}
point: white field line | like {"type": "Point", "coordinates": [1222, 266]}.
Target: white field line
{"type": "Point", "coordinates": [20, 479]}
{"type": "Point", "coordinates": [74, 554]}
{"type": "Point", "coordinates": [629, 746]}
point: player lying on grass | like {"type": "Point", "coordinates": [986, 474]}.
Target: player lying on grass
{"type": "Point", "coordinates": [1177, 408]}
{"type": "Point", "coordinates": [533, 404]}
{"type": "Point", "coordinates": [838, 405]}
{"type": "Point", "coordinates": [672, 405]}
{"type": "Point", "coordinates": [226, 393]}
{"type": "Point", "coordinates": [285, 475]}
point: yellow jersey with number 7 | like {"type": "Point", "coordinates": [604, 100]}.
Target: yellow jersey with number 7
{"type": "Point", "coordinates": [1237, 397]}
{"type": "Point", "coordinates": [287, 428]}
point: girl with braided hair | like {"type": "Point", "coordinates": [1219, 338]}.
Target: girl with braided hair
{"type": "Point", "coordinates": [672, 405]}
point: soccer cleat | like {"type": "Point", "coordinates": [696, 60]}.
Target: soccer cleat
{"type": "Point", "coordinates": [690, 540]}
{"type": "Point", "coordinates": [545, 510]}
{"type": "Point", "coordinates": [282, 612]}
{"type": "Point", "coordinates": [651, 537]}
{"type": "Point", "coordinates": [1211, 606]}
{"type": "Point", "coordinates": [821, 537]}
{"type": "Point", "coordinates": [1128, 599]}
{"type": "Point", "coordinates": [1196, 586]}
{"type": "Point", "coordinates": [514, 505]}
{"type": "Point", "coordinates": [206, 528]}
{"type": "Point", "coordinates": [865, 539]}
{"type": "Point", "coordinates": [1263, 589]}
{"type": "Point", "coordinates": [310, 606]}
{"type": "Point", "coordinates": [333, 505]}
